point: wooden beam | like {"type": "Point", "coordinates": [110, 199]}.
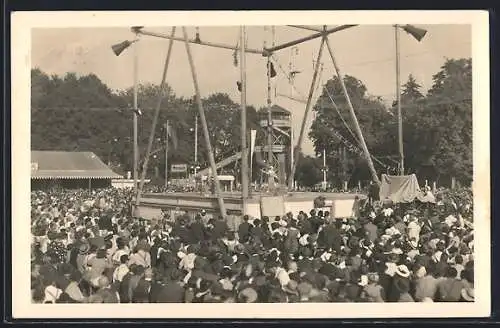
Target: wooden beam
{"type": "Point", "coordinates": [269, 51]}
{"type": "Point", "coordinates": [309, 28]}
{"type": "Point", "coordinates": [304, 119]}
{"type": "Point", "coordinates": [203, 43]}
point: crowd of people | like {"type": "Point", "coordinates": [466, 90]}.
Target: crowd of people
{"type": "Point", "coordinates": [88, 248]}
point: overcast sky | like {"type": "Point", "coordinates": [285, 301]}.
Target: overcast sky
{"type": "Point", "coordinates": [366, 52]}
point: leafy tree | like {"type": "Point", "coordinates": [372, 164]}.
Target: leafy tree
{"type": "Point", "coordinates": [82, 114]}
{"type": "Point", "coordinates": [411, 91]}
{"type": "Point", "coordinates": [308, 171]}
{"type": "Point", "coordinates": [333, 128]}
{"type": "Point", "coordinates": [437, 126]}
{"type": "Point", "coordinates": [449, 106]}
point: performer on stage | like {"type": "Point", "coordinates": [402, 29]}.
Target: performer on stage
{"type": "Point", "coordinates": [272, 176]}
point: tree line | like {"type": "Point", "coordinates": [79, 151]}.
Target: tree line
{"type": "Point", "coordinates": [81, 113]}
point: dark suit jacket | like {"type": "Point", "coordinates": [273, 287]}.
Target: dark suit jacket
{"type": "Point", "coordinates": [197, 231]}
{"type": "Point", "coordinates": [244, 230]}
{"type": "Point", "coordinates": [332, 237]}
{"type": "Point", "coordinates": [219, 230]}
{"type": "Point", "coordinates": [171, 292]}
{"type": "Point", "coordinates": [141, 292]}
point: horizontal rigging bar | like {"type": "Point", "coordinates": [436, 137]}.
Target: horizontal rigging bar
{"type": "Point", "coordinates": [310, 28]}
{"type": "Point", "coordinates": [204, 43]}
{"type": "Point", "coordinates": [264, 52]}
{"type": "Point", "coordinates": [268, 51]}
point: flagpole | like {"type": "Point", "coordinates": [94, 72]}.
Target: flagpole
{"type": "Point", "coordinates": [195, 145]}
{"type": "Point", "coordinates": [135, 125]}
{"type": "Point", "coordinates": [244, 156]}
{"type": "Point", "coordinates": [165, 126]}
{"type": "Point", "coordinates": [297, 150]}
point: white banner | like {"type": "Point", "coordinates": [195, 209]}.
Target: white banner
{"type": "Point", "coordinates": [253, 135]}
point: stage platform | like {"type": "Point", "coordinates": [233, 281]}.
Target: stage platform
{"type": "Point", "coordinates": [257, 205]}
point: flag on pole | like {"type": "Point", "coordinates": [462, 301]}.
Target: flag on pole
{"type": "Point", "coordinates": [253, 135]}
{"type": "Point", "coordinates": [235, 56]}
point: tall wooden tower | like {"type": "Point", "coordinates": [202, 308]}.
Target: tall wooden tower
{"type": "Point", "coordinates": [277, 133]}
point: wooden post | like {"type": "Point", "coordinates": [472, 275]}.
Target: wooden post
{"type": "Point", "coordinates": [304, 119]}
{"type": "Point", "coordinates": [353, 115]}
{"type": "Point", "coordinates": [205, 127]}
{"type": "Point", "coordinates": [398, 100]}
{"type": "Point", "coordinates": [244, 148]}
{"type": "Point", "coordinates": [155, 119]}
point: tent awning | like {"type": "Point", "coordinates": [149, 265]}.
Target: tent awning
{"type": "Point", "coordinates": [402, 189]}
{"type": "Point", "coordinates": [69, 165]}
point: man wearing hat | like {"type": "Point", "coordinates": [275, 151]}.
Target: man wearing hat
{"type": "Point", "coordinates": [247, 295]}
{"type": "Point", "coordinates": [291, 289]}
{"type": "Point", "coordinates": [400, 285]}
{"type": "Point", "coordinates": [373, 291]}
{"type": "Point", "coordinates": [425, 284]}
{"type": "Point", "coordinates": [279, 273]}
{"type": "Point", "coordinates": [304, 289]}
{"type": "Point", "coordinates": [197, 230]}
{"type": "Point", "coordinates": [171, 290]}
{"type": "Point", "coordinates": [244, 229]}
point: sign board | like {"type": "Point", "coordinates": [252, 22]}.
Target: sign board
{"type": "Point", "coordinates": [178, 168]}
{"type": "Point", "coordinates": [272, 206]}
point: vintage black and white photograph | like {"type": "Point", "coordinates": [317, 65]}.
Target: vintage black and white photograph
{"type": "Point", "coordinates": [260, 162]}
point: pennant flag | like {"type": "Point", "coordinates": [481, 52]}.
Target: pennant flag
{"type": "Point", "coordinates": [235, 56]}
{"type": "Point", "coordinates": [238, 83]}
{"type": "Point", "coordinates": [272, 71]}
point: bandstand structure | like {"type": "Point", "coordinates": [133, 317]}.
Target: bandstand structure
{"type": "Point", "coordinates": [276, 121]}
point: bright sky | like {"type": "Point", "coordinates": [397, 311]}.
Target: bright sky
{"type": "Point", "coordinates": [366, 52]}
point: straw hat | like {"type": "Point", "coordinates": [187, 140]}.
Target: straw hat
{"type": "Point", "coordinates": [468, 294]}
{"type": "Point", "coordinates": [249, 294]}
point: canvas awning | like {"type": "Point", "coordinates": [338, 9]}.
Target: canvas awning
{"type": "Point", "coordinates": [69, 165]}
{"type": "Point", "coordinates": [403, 189]}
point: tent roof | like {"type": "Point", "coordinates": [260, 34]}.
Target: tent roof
{"type": "Point", "coordinates": [275, 109]}
{"type": "Point", "coordinates": [403, 189]}
{"type": "Point", "coordinates": [69, 165]}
